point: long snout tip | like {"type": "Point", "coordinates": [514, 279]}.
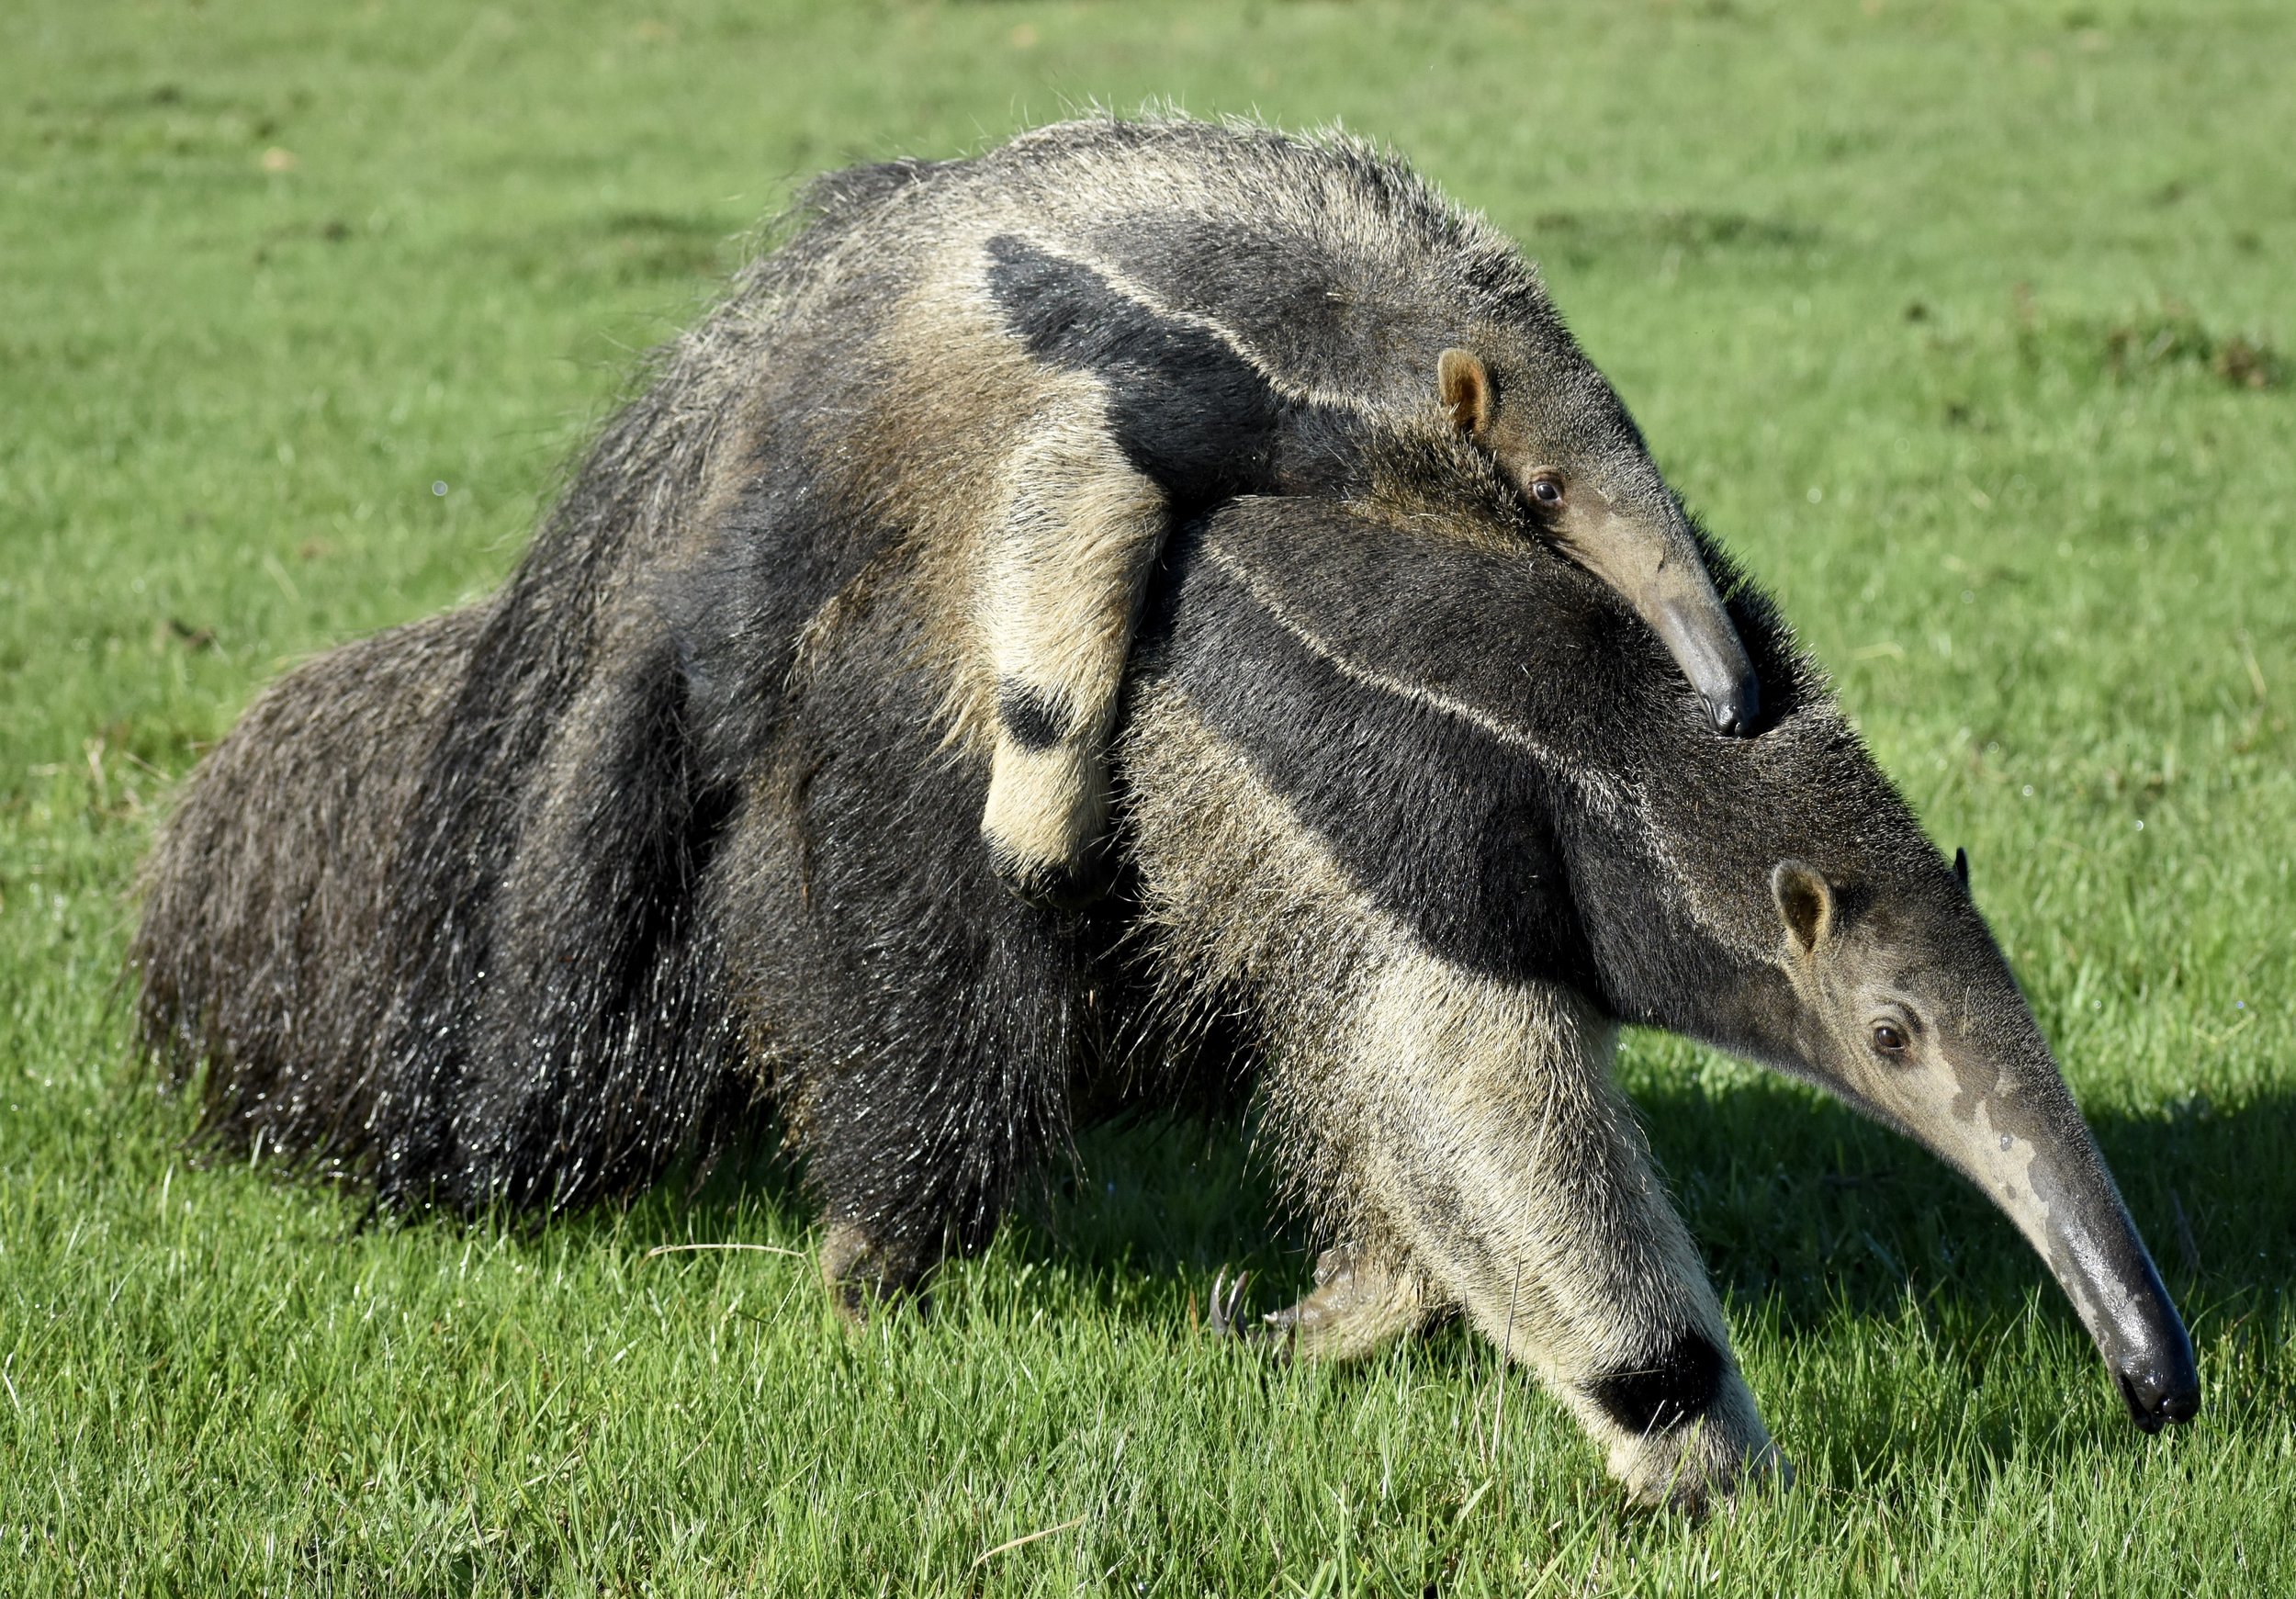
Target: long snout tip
{"type": "Point", "coordinates": [1735, 706]}
{"type": "Point", "coordinates": [1706, 647]}
{"type": "Point", "coordinates": [2157, 1396]}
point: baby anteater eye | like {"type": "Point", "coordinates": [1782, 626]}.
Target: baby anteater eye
{"type": "Point", "coordinates": [1890, 1039]}
{"type": "Point", "coordinates": [1547, 490]}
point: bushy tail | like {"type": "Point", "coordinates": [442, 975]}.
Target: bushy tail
{"type": "Point", "coordinates": [270, 899]}
{"type": "Point", "coordinates": [362, 985]}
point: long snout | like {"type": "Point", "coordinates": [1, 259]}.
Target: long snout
{"type": "Point", "coordinates": [2093, 1247]}
{"type": "Point", "coordinates": [1696, 631]}
{"type": "Point", "coordinates": [1650, 559]}
{"type": "Point", "coordinates": [2046, 1173]}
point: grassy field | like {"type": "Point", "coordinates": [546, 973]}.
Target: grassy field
{"type": "Point", "coordinates": [1965, 325]}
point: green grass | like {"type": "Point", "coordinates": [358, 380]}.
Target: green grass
{"type": "Point", "coordinates": [1950, 318]}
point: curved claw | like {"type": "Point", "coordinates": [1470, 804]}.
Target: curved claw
{"type": "Point", "coordinates": [1220, 1315]}
{"type": "Point", "coordinates": [1360, 1304]}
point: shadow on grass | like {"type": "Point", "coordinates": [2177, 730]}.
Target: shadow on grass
{"type": "Point", "coordinates": [1883, 1291]}
{"type": "Point", "coordinates": [1845, 1242]}
{"type": "Point", "coordinates": [1802, 1207]}
{"type": "Point", "coordinates": [1802, 1202]}
{"type": "Point", "coordinates": [1174, 1201]}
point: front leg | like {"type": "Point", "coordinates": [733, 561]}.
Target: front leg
{"type": "Point", "coordinates": [1062, 576]}
{"type": "Point", "coordinates": [1361, 1303]}
{"type": "Point", "coordinates": [1479, 1131]}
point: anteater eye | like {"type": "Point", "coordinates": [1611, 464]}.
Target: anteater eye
{"type": "Point", "coordinates": [1889, 1038]}
{"type": "Point", "coordinates": [1547, 488]}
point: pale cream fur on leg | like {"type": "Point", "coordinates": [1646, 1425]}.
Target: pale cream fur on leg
{"type": "Point", "coordinates": [1063, 585]}
{"type": "Point", "coordinates": [1458, 1122]}
{"type": "Point", "coordinates": [1362, 1302]}
{"type": "Point", "coordinates": [1489, 1135]}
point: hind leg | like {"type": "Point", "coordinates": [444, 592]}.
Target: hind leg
{"type": "Point", "coordinates": [920, 1027]}
{"type": "Point", "coordinates": [862, 1270]}
{"type": "Point", "coordinates": [1059, 600]}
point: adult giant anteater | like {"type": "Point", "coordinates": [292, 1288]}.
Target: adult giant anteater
{"type": "Point", "coordinates": [1046, 356]}
{"type": "Point", "coordinates": [513, 904]}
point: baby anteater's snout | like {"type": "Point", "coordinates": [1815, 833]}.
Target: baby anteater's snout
{"type": "Point", "coordinates": [1717, 666]}
{"type": "Point", "coordinates": [1735, 708]}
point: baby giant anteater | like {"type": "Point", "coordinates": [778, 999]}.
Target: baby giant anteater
{"type": "Point", "coordinates": [1073, 343]}
{"type": "Point", "coordinates": [513, 904]}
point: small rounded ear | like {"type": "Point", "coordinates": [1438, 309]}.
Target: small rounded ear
{"type": "Point", "coordinates": [1466, 392]}
{"type": "Point", "coordinates": [1961, 868]}
{"type": "Point", "coordinates": [1806, 903]}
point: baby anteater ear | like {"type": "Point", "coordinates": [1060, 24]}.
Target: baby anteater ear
{"type": "Point", "coordinates": [1961, 868]}
{"type": "Point", "coordinates": [1806, 903]}
{"type": "Point", "coordinates": [1466, 392]}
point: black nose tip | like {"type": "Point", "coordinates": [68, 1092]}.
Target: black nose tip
{"type": "Point", "coordinates": [2157, 1398]}
{"type": "Point", "coordinates": [1735, 708]}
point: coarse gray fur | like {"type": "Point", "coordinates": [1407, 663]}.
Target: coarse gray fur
{"type": "Point", "coordinates": [1117, 324]}
{"type": "Point", "coordinates": [672, 838]}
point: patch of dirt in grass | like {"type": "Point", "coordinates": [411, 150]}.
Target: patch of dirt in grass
{"type": "Point", "coordinates": [2177, 338]}
{"type": "Point", "coordinates": [635, 246]}
{"type": "Point", "coordinates": [1582, 237]}
{"type": "Point", "coordinates": [2169, 341]}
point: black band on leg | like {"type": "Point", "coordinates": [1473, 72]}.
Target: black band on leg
{"type": "Point", "coordinates": [1033, 718]}
{"type": "Point", "coordinates": [1666, 1392]}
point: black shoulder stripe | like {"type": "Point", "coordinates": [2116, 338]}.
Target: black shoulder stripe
{"type": "Point", "coordinates": [1188, 411]}
{"type": "Point", "coordinates": [1437, 822]}
{"type": "Point", "coordinates": [1318, 313]}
